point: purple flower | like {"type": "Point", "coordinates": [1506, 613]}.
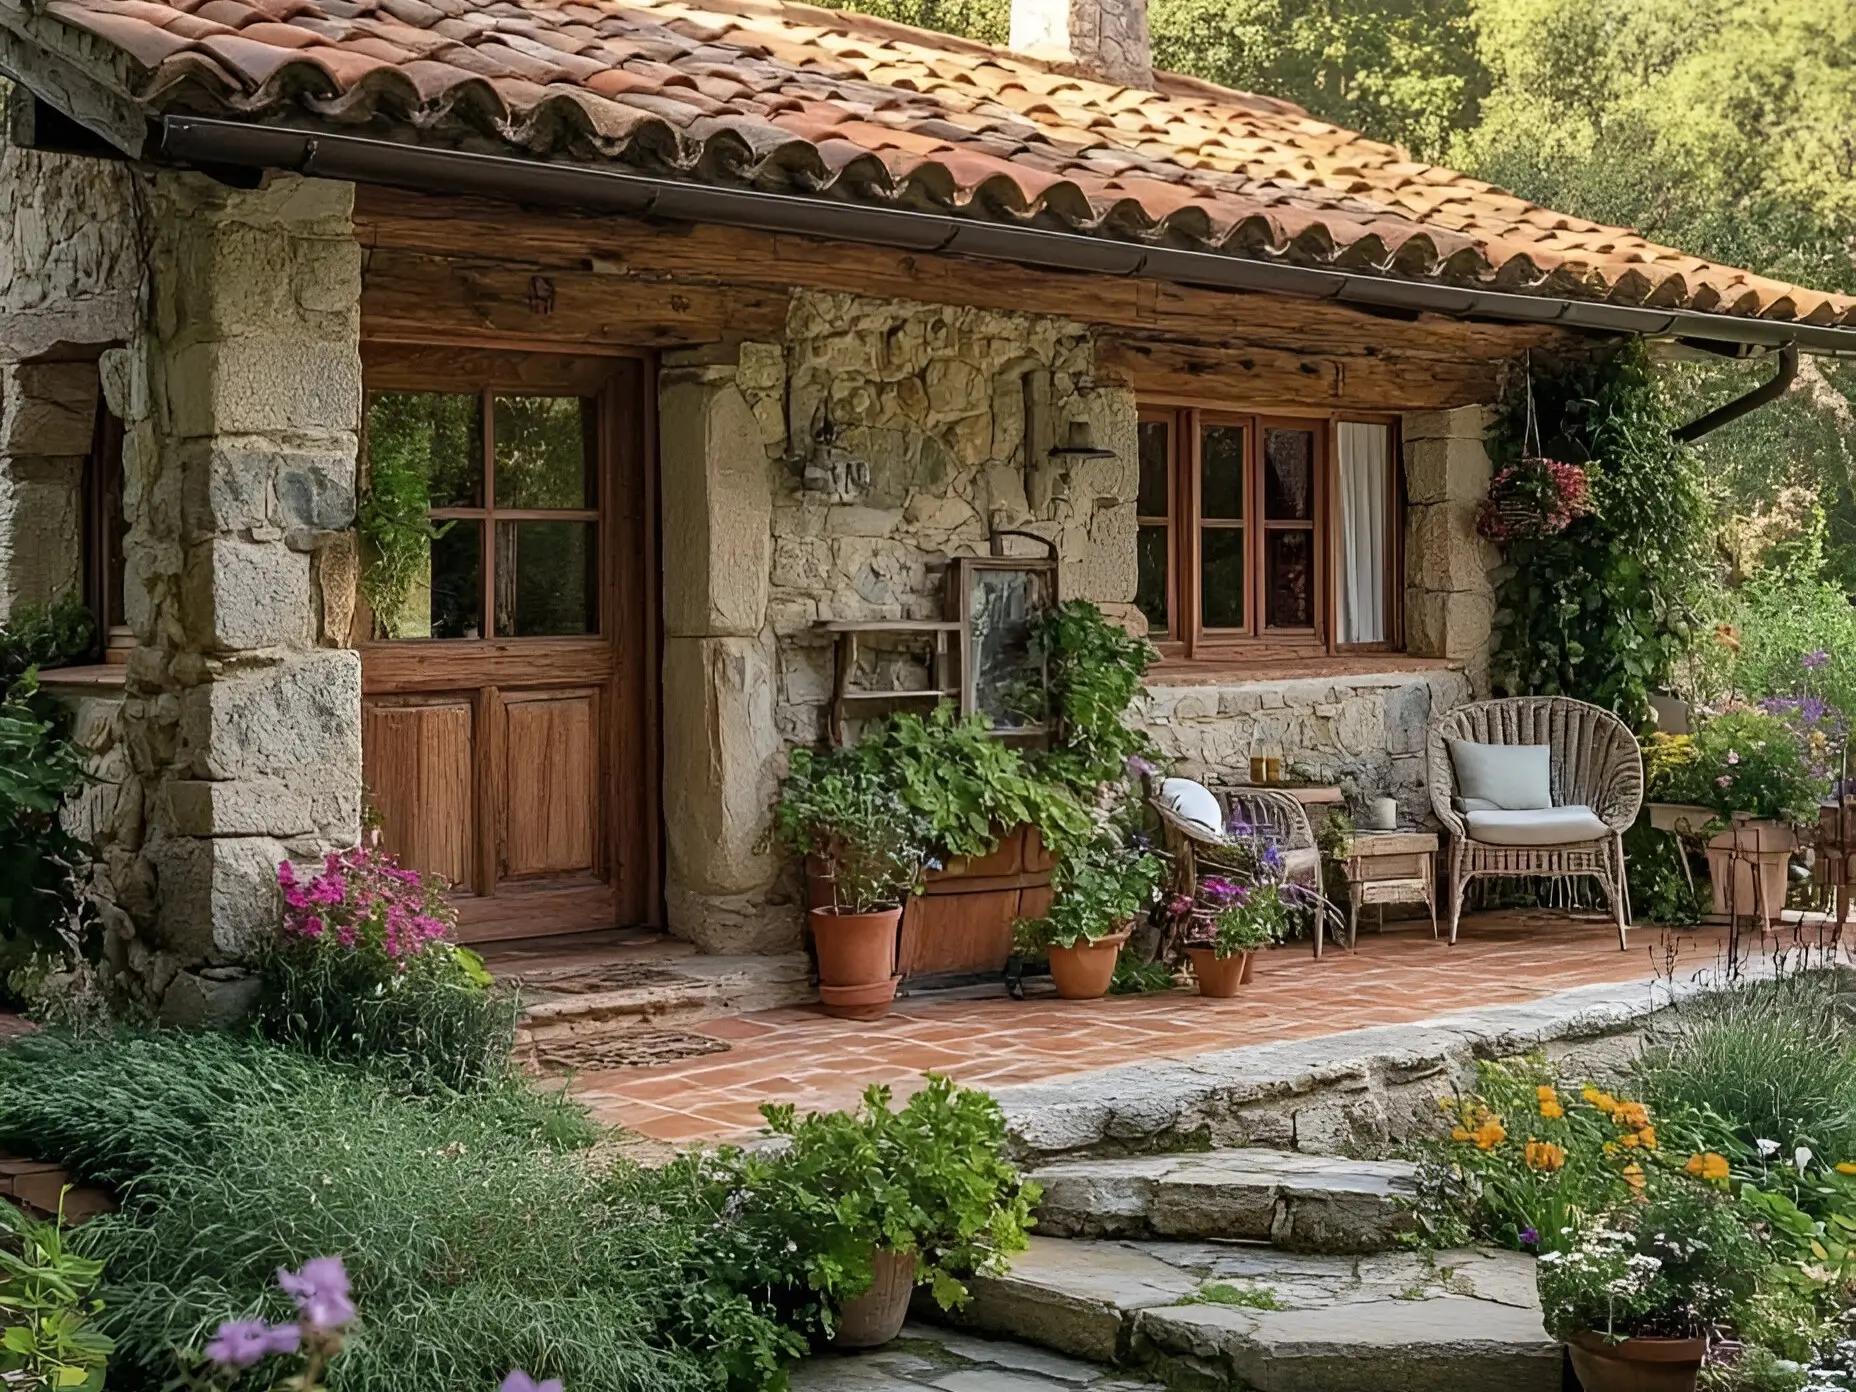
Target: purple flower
{"type": "Point", "coordinates": [1812, 709]}
{"type": "Point", "coordinates": [519, 1381]}
{"type": "Point", "coordinates": [1140, 768]}
{"type": "Point", "coordinates": [1272, 857]}
{"type": "Point", "coordinates": [240, 1343]}
{"type": "Point", "coordinates": [1814, 659]}
{"type": "Point", "coordinates": [1530, 1237]}
{"type": "Point", "coordinates": [320, 1290]}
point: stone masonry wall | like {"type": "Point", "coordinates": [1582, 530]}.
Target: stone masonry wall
{"type": "Point", "coordinates": [1449, 596]}
{"type": "Point", "coordinates": [70, 285]}
{"type": "Point", "coordinates": [241, 721]}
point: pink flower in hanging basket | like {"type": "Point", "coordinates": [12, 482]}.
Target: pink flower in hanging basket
{"type": "Point", "coordinates": [1535, 498]}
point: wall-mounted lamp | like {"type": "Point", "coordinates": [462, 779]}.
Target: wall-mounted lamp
{"type": "Point", "coordinates": [1079, 442]}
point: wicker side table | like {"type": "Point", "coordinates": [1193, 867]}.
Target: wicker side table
{"type": "Point", "coordinates": [1390, 867]}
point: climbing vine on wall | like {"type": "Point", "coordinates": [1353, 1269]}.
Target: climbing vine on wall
{"type": "Point", "coordinates": [1602, 610]}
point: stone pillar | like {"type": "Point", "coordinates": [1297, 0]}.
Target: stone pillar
{"type": "Point", "coordinates": [1449, 597]}
{"type": "Point", "coordinates": [48, 416]}
{"type": "Point", "coordinates": [242, 403]}
{"type": "Point", "coordinates": [722, 745]}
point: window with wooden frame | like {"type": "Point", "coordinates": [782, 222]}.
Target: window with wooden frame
{"type": "Point", "coordinates": [105, 526]}
{"type": "Point", "coordinates": [1261, 533]}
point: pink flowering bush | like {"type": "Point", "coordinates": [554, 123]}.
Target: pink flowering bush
{"type": "Point", "coordinates": [1535, 498]}
{"type": "Point", "coordinates": [365, 970]}
{"type": "Point", "coordinates": [364, 901]}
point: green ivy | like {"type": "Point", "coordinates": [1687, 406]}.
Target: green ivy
{"type": "Point", "coordinates": [1603, 610]}
{"type": "Point", "coordinates": [1095, 673]}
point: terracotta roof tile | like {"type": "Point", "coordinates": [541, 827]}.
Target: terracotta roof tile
{"type": "Point", "coordinates": [856, 107]}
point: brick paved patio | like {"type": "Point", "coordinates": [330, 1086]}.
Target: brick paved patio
{"type": "Point", "coordinates": [799, 1055]}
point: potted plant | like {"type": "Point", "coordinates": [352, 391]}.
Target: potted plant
{"type": "Point", "coordinates": [1098, 889]}
{"type": "Point", "coordinates": [1534, 498]}
{"type": "Point", "coordinates": [875, 1202]}
{"type": "Point", "coordinates": [839, 813]}
{"type": "Point", "coordinates": [1752, 770]}
{"type": "Point", "coordinates": [1245, 917]}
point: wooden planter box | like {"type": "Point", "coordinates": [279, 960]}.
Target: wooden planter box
{"type": "Point", "coordinates": [1746, 850]}
{"type": "Point", "coordinates": [960, 925]}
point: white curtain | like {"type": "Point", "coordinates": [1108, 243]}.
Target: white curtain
{"type": "Point", "coordinates": [1365, 505]}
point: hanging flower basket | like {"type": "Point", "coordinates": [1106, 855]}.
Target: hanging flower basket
{"type": "Point", "coordinates": [1535, 498]}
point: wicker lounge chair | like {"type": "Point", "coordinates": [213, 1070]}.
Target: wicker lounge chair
{"type": "Point", "coordinates": [1277, 816]}
{"type": "Point", "coordinates": [1595, 767]}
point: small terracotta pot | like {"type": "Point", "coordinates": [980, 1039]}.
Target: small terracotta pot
{"type": "Point", "coordinates": [1083, 972]}
{"type": "Point", "coordinates": [876, 1316]}
{"type": "Point", "coordinates": [1636, 1365]}
{"type": "Point", "coordinates": [870, 1001]}
{"type": "Point", "coordinates": [1219, 976]}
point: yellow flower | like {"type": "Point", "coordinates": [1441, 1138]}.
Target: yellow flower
{"type": "Point", "coordinates": [1633, 1176]}
{"type": "Point", "coordinates": [1611, 1147]}
{"type": "Point", "coordinates": [1604, 1101]}
{"type": "Point", "coordinates": [1490, 1134]}
{"type": "Point", "coordinates": [1628, 1140]}
{"type": "Point", "coordinates": [1460, 1133]}
{"type": "Point", "coordinates": [1708, 1166]}
{"type": "Point", "coordinates": [1647, 1138]}
{"type": "Point", "coordinates": [1633, 1115]}
{"type": "Point", "coordinates": [1551, 1109]}
{"type": "Point", "coordinates": [1847, 1167]}
{"type": "Point", "coordinates": [1447, 1103]}
{"type": "Point", "coordinates": [1544, 1155]}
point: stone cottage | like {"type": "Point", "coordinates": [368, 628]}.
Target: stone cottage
{"type": "Point", "coordinates": [490, 404]}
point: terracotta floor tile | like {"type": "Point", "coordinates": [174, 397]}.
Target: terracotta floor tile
{"type": "Point", "coordinates": [799, 1055]}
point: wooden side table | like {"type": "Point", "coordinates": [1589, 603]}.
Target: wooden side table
{"type": "Point", "coordinates": [1390, 867]}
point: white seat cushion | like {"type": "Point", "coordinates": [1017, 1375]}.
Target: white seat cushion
{"type": "Point", "coordinates": [1194, 802]}
{"type": "Point", "coordinates": [1511, 777]}
{"type": "Point", "coordinates": [1549, 826]}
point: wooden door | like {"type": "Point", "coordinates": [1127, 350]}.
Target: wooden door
{"type": "Point", "coordinates": [508, 728]}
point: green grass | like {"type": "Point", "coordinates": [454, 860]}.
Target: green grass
{"type": "Point", "coordinates": [1225, 1293]}
{"type": "Point", "coordinates": [476, 1240]}
{"type": "Point", "coordinates": [1775, 1061]}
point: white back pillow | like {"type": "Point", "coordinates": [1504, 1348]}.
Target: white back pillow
{"type": "Point", "coordinates": [1194, 802]}
{"type": "Point", "coordinates": [1507, 777]}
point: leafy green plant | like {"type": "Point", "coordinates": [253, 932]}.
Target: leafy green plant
{"type": "Point", "coordinates": [1135, 977]}
{"type": "Point", "coordinates": [837, 806]}
{"type": "Point", "coordinates": [1097, 887]}
{"type": "Point", "coordinates": [48, 1309]}
{"type": "Point", "coordinates": [1739, 761]}
{"type": "Point", "coordinates": [1246, 917]}
{"type": "Point", "coordinates": [1095, 673]}
{"type": "Point", "coordinates": [967, 785]}
{"type": "Point", "coordinates": [41, 916]}
{"type": "Point", "coordinates": [1603, 609]}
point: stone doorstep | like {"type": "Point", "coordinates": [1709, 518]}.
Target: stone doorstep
{"type": "Point", "coordinates": [1461, 1321]}
{"type": "Point", "coordinates": [1361, 1091]}
{"type": "Point", "coordinates": [1302, 1203]}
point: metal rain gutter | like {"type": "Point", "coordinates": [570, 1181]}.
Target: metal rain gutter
{"type": "Point", "coordinates": [206, 141]}
{"type": "Point", "coordinates": [1743, 405]}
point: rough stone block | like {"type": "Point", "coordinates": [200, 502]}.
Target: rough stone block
{"type": "Point", "coordinates": [1443, 470]}
{"type": "Point", "coordinates": [40, 518]}
{"type": "Point", "coordinates": [243, 595]}
{"type": "Point", "coordinates": [295, 719]}
{"type": "Point", "coordinates": [717, 510]}
{"type": "Point", "coordinates": [218, 896]}
{"type": "Point", "coordinates": [248, 807]}
{"type": "Point", "coordinates": [1443, 550]}
{"type": "Point", "coordinates": [1462, 423]}
{"type": "Point", "coordinates": [48, 408]}
{"type": "Point", "coordinates": [264, 386]}
{"type": "Point", "coordinates": [721, 750]}
{"type": "Point", "coordinates": [196, 1000]}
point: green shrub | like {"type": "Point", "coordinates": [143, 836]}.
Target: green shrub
{"type": "Point", "coordinates": [1773, 1061]}
{"type": "Point", "coordinates": [473, 1243]}
{"type": "Point", "coordinates": [836, 806]}
{"type": "Point", "coordinates": [47, 1339]}
{"type": "Point", "coordinates": [39, 768]}
{"type": "Point", "coordinates": [1095, 673]}
{"type": "Point", "coordinates": [1097, 888]}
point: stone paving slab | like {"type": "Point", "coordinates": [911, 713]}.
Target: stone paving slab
{"type": "Point", "coordinates": [1307, 1203]}
{"type": "Point", "coordinates": [930, 1357]}
{"type": "Point", "coordinates": [1360, 1091]}
{"type": "Point", "coordinates": [1216, 1315]}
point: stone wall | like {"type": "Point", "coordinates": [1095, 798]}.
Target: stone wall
{"type": "Point", "coordinates": [1366, 730]}
{"type": "Point", "coordinates": [240, 721]}
{"type": "Point", "coordinates": [70, 286]}
{"type": "Point", "coordinates": [832, 476]}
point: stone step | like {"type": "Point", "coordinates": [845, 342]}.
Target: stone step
{"type": "Point", "coordinates": [1303, 1203]}
{"type": "Point", "coordinates": [930, 1356]}
{"type": "Point", "coordinates": [1204, 1315]}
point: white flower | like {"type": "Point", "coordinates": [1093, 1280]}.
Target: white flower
{"type": "Point", "coordinates": [1767, 1148]}
{"type": "Point", "coordinates": [1801, 1157]}
{"type": "Point", "coordinates": [1549, 1258]}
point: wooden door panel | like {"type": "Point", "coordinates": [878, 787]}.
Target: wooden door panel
{"type": "Point", "coordinates": [417, 760]}
{"type": "Point", "coordinates": [551, 783]}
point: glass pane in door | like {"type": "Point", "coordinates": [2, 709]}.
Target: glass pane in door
{"type": "Point", "coordinates": [544, 452]}
{"type": "Point", "coordinates": [546, 579]}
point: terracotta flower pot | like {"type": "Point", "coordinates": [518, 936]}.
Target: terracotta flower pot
{"type": "Point", "coordinates": [1219, 976]}
{"type": "Point", "coordinates": [1083, 972]}
{"type": "Point", "coordinates": [1636, 1365]}
{"type": "Point", "coordinates": [856, 961]}
{"type": "Point", "coordinates": [876, 1316]}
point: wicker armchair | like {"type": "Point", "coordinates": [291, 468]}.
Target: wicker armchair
{"type": "Point", "coordinates": [1276, 816]}
{"type": "Point", "coordinates": [1595, 763]}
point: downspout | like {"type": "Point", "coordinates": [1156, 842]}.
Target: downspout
{"type": "Point", "coordinates": [1743, 405]}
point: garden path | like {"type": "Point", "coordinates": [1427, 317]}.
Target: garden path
{"type": "Point", "coordinates": [981, 1038]}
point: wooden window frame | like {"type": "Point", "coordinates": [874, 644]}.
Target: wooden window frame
{"type": "Point", "coordinates": [105, 527]}
{"type": "Point", "coordinates": [1187, 638]}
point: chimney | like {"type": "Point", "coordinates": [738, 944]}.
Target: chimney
{"type": "Point", "coordinates": [1101, 39]}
